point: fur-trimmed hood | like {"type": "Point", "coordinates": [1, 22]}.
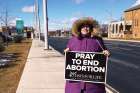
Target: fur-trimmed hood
{"type": "Point", "coordinates": [83, 21]}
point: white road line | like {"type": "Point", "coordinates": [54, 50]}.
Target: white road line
{"type": "Point", "coordinates": [133, 45]}
{"type": "Point", "coordinates": [111, 47]}
{"type": "Point", "coordinates": [124, 63]}
{"type": "Point", "coordinates": [122, 53]}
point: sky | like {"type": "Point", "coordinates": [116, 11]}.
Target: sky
{"type": "Point", "coordinates": [62, 13]}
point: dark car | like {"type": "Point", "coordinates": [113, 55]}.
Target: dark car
{"type": "Point", "coordinates": [5, 37]}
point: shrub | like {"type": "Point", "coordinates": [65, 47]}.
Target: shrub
{"type": "Point", "coordinates": [18, 38]}
{"type": "Point", "coordinates": [2, 48]}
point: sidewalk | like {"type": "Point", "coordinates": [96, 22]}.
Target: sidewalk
{"type": "Point", "coordinates": [43, 72]}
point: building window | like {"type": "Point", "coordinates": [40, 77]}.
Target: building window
{"type": "Point", "coordinates": [120, 27]}
{"type": "Point", "coordinates": [137, 22]}
{"type": "Point", "coordinates": [113, 28]}
{"type": "Point", "coordinates": [116, 28]}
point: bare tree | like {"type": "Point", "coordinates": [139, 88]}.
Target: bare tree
{"type": "Point", "coordinates": [5, 20]}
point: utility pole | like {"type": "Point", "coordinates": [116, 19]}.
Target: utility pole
{"type": "Point", "coordinates": [37, 19]}
{"type": "Point", "coordinates": [45, 16]}
{"type": "Point", "coordinates": [6, 27]}
{"type": "Point", "coordinates": [6, 24]}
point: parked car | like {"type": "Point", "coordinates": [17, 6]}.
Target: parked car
{"type": "Point", "coordinates": [5, 37]}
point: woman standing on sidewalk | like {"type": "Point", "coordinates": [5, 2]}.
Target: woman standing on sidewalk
{"type": "Point", "coordinates": [85, 39]}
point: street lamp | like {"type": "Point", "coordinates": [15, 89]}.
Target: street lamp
{"type": "Point", "coordinates": [45, 17]}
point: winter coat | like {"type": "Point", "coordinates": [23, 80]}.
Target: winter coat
{"type": "Point", "coordinates": [85, 44]}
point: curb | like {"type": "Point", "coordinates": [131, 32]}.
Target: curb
{"type": "Point", "coordinates": [109, 89]}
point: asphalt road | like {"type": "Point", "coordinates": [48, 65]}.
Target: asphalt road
{"type": "Point", "coordinates": [123, 66]}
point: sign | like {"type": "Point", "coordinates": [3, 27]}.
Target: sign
{"type": "Point", "coordinates": [19, 26]}
{"type": "Point", "coordinates": [86, 66]}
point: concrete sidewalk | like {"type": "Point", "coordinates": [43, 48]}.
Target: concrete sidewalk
{"type": "Point", "coordinates": [43, 72]}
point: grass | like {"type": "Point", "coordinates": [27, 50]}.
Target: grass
{"type": "Point", "coordinates": [10, 75]}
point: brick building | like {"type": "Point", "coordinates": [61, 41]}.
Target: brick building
{"type": "Point", "coordinates": [132, 20]}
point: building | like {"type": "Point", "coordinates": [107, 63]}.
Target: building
{"type": "Point", "coordinates": [129, 28]}
{"type": "Point", "coordinates": [132, 19]}
{"type": "Point", "coordinates": [12, 31]}
{"type": "Point", "coordinates": [28, 31]}
{"type": "Point", "coordinates": [104, 30]}
{"type": "Point", "coordinates": [116, 29]}
{"type": "Point", "coordinates": [60, 33]}
{"type": "Point", "coordinates": [54, 33]}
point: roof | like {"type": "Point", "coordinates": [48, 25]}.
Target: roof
{"type": "Point", "coordinates": [133, 8]}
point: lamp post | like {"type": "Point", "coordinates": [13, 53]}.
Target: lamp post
{"type": "Point", "coordinates": [45, 18]}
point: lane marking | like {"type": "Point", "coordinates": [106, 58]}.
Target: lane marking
{"type": "Point", "coordinates": [128, 50]}
{"type": "Point", "coordinates": [124, 63]}
{"type": "Point", "coordinates": [119, 48]}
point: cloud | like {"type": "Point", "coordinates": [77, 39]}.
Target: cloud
{"type": "Point", "coordinates": [73, 19]}
{"type": "Point", "coordinates": [136, 3]}
{"type": "Point", "coordinates": [78, 1]}
{"type": "Point", "coordinates": [65, 23]}
{"type": "Point", "coordinates": [13, 21]}
{"type": "Point", "coordinates": [28, 9]}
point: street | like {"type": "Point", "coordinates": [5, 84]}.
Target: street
{"type": "Point", "coordinates": [123, 66]}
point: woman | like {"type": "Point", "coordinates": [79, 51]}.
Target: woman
{"type": "Point", "coordinates": [84, 39]}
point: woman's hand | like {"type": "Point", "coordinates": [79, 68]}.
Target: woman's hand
{"type": "Point", "coordinates": [106, 52]}
{"type": "Point", "coordinates": [66, 50]}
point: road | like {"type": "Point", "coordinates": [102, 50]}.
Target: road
{"type": "Point", "coordinates": [123, 66]}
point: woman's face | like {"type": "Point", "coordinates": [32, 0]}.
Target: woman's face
{"type": "Point", "coordinates": [85, 29]}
